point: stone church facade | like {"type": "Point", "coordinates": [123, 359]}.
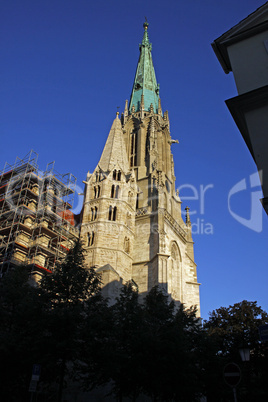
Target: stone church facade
{"type": "Point", "coordinates": [132, 225]}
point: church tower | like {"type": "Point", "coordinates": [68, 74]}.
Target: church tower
{"type": "Point", "coordinates": [132, 223]}
{"type": "Point", "coordinates": [108, 222]}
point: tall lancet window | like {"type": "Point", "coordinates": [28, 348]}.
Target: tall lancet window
{"type": "Point", "coordinates": [117, 175]}
{"type": "Point", "coordinates": [94, 214]}
{"type": "Point", "coordinates": [133, 149]}
{"type": "Point", "coordinates": [90, 239]}
{"type": "Point", "coordinates": [117, 192]}
{"type": "Point", "coordinates": [112, 191]}
{"type": "Point", "coordinates": [98, 176]}
{"type": "Point", "coordinates": [96, 191]}
{"type": "Point", "coordinates": [174, 274]}
{"type": "Point", "coordinates": [112, 213]}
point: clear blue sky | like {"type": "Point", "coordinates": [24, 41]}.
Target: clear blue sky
{"type": "Point", "coordinates": [67, 65]}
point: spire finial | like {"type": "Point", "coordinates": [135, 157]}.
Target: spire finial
{"type": "Point", "coordinates": [145, 41]}
{"type": "Point", "coordinates": [145, 24]}
{"type": "Point", "coordinates": [187, 220]}
{"type": "Point", "coordinates": [126, 108]}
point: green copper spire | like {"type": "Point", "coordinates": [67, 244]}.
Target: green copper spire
{"type": "Point", "coordinates": [145, 81]}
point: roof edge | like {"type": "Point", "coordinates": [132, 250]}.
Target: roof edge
{"type": "Point", "coordinates": [239, 32]}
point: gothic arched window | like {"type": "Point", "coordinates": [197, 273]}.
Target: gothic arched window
{"type": "Point", "coordinates": [133, 149]}
{"type": "Point", "coordinates": [93, 214]}
{"type": "Point", "coordinates": [90, 239]}
{"type": "Point", "coordinates": [96, 191]}
{"type": "Point", "coordinates": [174, 251]}
{"type": "Point", "coordinates": [174, 279]}
{"type": "Point", "coordinates": [117, 175]}
{"type": "Point", "coordinates": [117, 191]}
{"type": "Point", "coordinates": [112, 213]}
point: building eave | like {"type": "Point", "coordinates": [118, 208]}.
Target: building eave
{"type": "Point", "coordinates": [240, 105]}
{"type": "Point", "coordinates": [252, 25]}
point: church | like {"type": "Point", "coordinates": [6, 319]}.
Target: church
{"type": "Point", "coordinates": [131, 223]}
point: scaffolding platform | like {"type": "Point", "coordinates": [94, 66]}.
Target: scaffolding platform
{"type": "Point", "coordinates": [37, 226]}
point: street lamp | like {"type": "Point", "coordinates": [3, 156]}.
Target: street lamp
{"type": "Point", "coordinates": [244, 354]}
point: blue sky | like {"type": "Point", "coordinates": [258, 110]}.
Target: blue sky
{"type": "Point", "coordinates": [67, 65]}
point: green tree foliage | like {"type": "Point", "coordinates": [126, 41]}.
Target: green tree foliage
{"type": "Point", "coordinates": [147, 348]}
{"type": "Point", "coordinates": [19, 316]}
{"type": "Point", "coordinates": [236, 326]}
{"type": "Point", "coordinates": [44, 324]}
{"type": "Point", "coordinates": [228, 329]}
{"type": "Point", "coordinates": [127, 343]}
{"type": "Point", "coordinates": [65, 296]}
{"type": "Point", "coordinates": [92, 368]}
{"type": "Point", "coordinates": [152, 348]}
{"type": "Point", "coordinates": [70, 284]}
{"type": "Point", "coordinates": [112, 352]}
{"type": "Point", "coordinates": [136, 347]}
{"type": "Point", "coordinates": [171, 339]}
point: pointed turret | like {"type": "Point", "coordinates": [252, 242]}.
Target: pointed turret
{"type": "Point", "coordinates": [114, 152]}
{"type": "Point", "coordinates": [145, 81]}
{"type": "Point", "coordinates": [187, 217]}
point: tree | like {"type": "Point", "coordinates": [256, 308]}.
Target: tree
{"type": "Point", "coordinates": [236, 326]}
{"type": "Point", "coordinates": [71, 284]}
{"type": "Point", "coordinates": [127, 343]}
{"type": "Point", "coordinates": [112, 346]}
{"type": "Point", "coordinates": [19, 316]}
{"type": "Point", "coordinates": [230, 328]}
{"type": "Point", "coordinates": [93, 366]}
{"type": "Point", "coordinates": [169, 357]}
{"type": "Point", "coordinates": [65, 295]}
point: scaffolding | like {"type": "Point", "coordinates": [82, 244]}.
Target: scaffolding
{"type": "Point", "coordinates": [37, 226]}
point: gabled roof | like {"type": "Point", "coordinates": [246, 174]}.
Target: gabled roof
{"type": "Point", "coordinates": [145, 80]}
{"type": "Point", "coordinates": [114, 153]}
{"type": "Point", "coordinates": [254, 23]}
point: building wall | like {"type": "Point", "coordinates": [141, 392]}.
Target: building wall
{"type": "Point", "coordinates": [249, 61]}
{"type": "Point", "coordinates": [113, 234]}
{"type": "Point", "coordinates": [257, 124]}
